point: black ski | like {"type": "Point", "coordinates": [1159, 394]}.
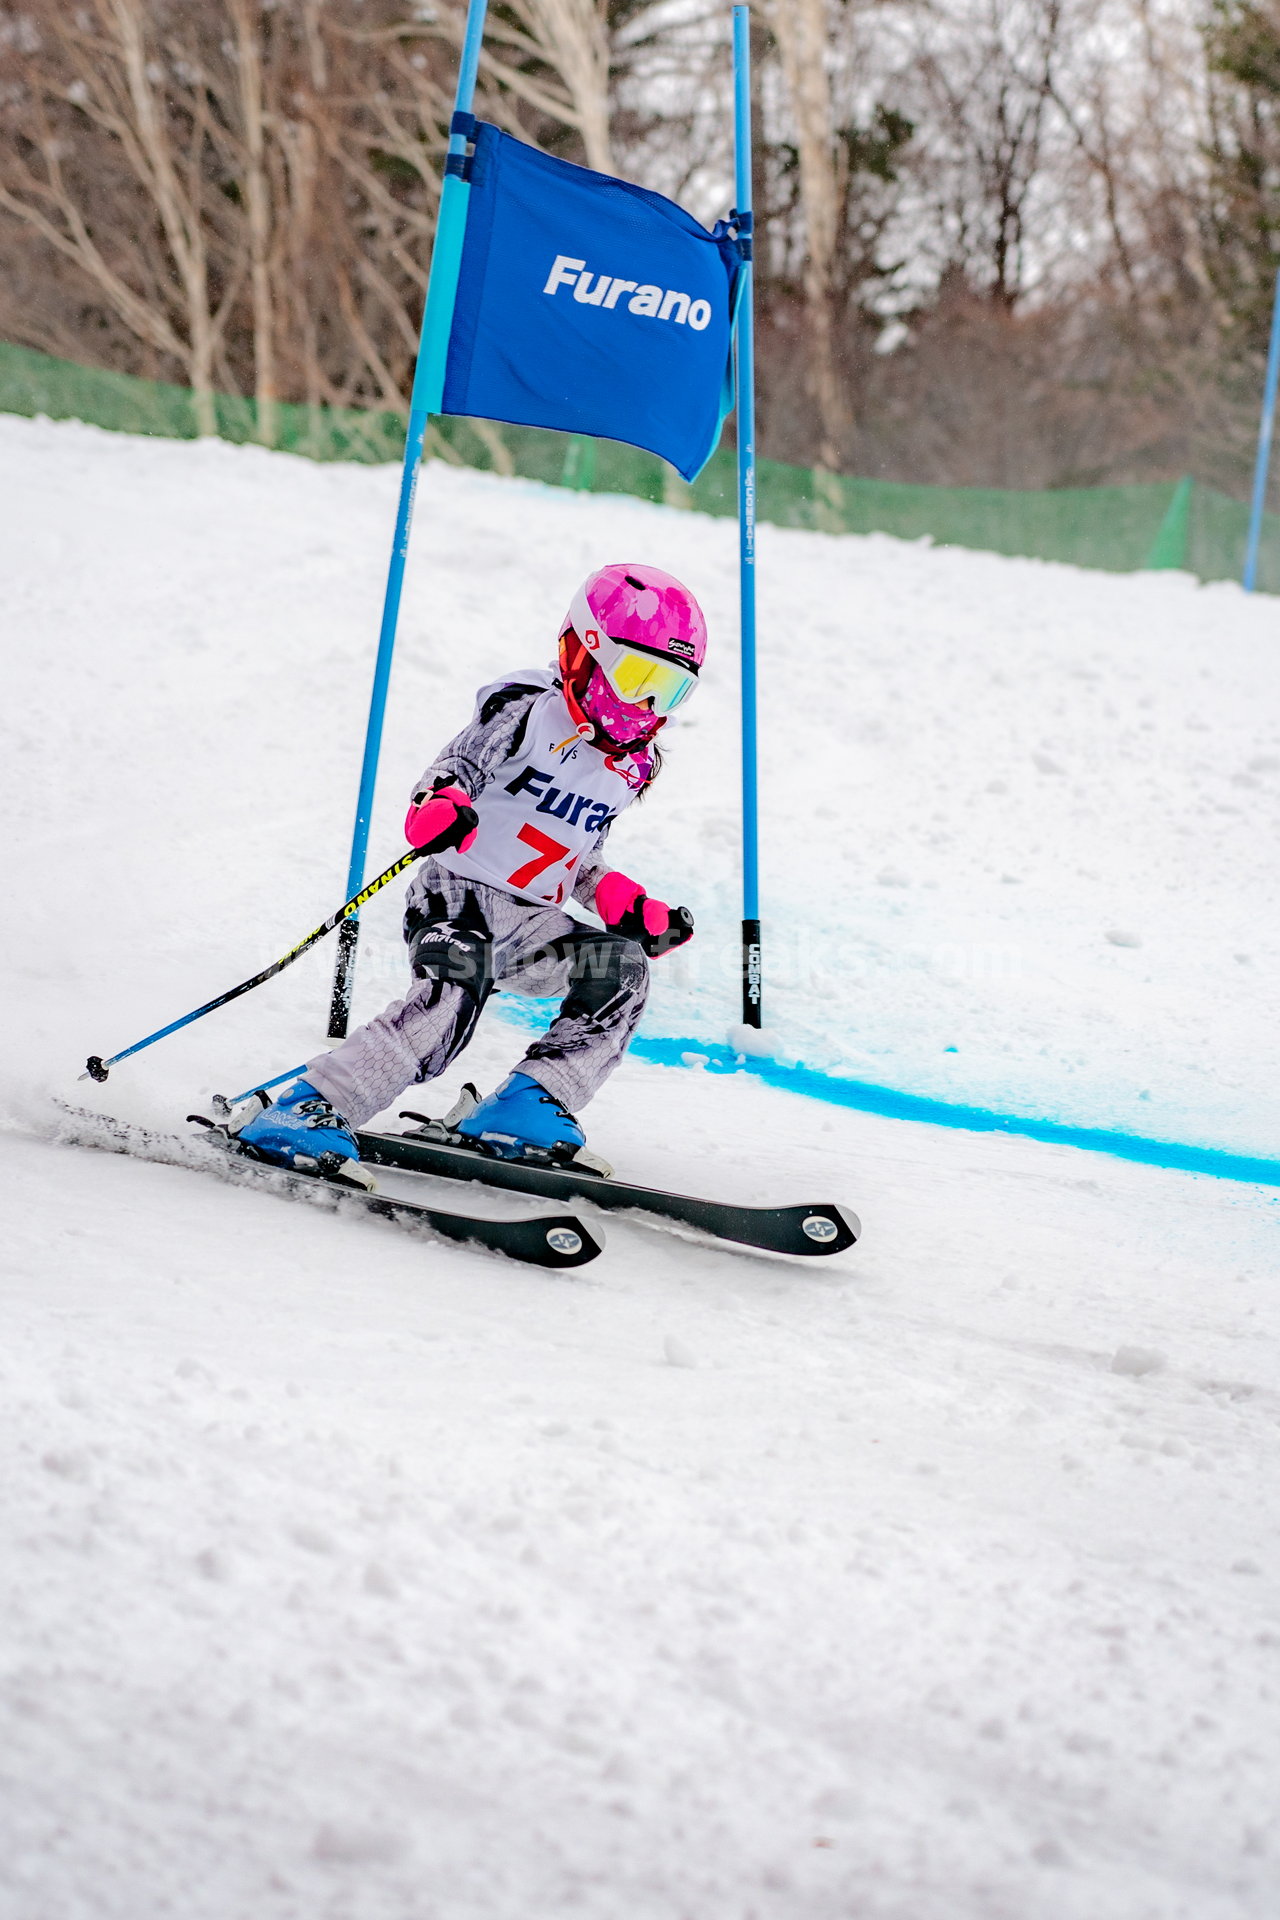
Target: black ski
{"type": "Point", "coordinates": [817, 1229]}
{"type": "Point", "coordinates": [551, 1240]}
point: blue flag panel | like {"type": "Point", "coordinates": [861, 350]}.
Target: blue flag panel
{"type": "Point", "coordinates": [590, 305]}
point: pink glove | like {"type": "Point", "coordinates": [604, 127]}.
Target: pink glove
{"type": "Point", "coordinates": [624, 906]}
{"type": "Point", "coordinates": [445, 818]}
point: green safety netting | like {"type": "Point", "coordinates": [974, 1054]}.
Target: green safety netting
{"type": "Point", "coordinates": [1177, 524]}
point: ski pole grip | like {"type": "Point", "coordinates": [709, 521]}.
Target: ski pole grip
{"type": "Point", "coordinates": [679, 929]}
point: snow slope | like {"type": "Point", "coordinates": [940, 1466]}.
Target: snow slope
{"type": "Point", "coordinates": [975, 770]}
{"type": "Point", "coordinates": [349, 1577]}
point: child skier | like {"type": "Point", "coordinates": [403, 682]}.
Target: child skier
{"type": "Point", "coordinates": [514, 813]}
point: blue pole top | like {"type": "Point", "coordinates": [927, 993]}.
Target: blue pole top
{"type": "Point", "coordinates": [468, 66]}
{"type": "Point", "coordinates": [742, 107]}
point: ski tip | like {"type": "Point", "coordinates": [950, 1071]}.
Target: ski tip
{"type": "Point", "coordinates": [568, 1242]}
{"type": "Point", "coordinates": [830, 1228]}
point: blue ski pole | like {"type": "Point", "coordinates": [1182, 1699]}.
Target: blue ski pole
{"type": "Point", "coordinates": [96, 1068]}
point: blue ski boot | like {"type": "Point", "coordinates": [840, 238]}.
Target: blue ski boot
{"type": "Point", "coordinates": [301, 1130]}
{"type": "Point", "coordinates": [522, 1121]}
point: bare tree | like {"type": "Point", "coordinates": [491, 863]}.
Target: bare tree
{"type": "Point", "coordinates": [555, 57]}
{"type": "Point", "coordinates": [1013, 241]}
{"type": "Point", "coordinates": [258, 199]}
{"type": "Point", "coordinates": [246, 191]}
{"type": "Point", "coordinates": [166, 259]}
{"type": "Point", "coordinates": [800, 28]}
{"type": "Point", "coordinates": [987, 67]}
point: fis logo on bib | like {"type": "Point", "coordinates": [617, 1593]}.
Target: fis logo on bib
{"type": "Point", "coordinates": [607, 291]}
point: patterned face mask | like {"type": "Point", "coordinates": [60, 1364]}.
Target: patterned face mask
{"type": "Point", "coordinates": [599, 713]}
{"type": "Point", "coordinates": [624, 722]}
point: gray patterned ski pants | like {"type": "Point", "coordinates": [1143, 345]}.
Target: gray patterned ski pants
{"type": "Point", "coordinates": [464, 940]}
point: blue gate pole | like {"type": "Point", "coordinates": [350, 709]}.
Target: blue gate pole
{"type": "Point", "coordinates": [745, 380]}
{"type": "Point", "coordinates": [1264, 447]}
{"type": "Point", "coordinates": [428, 392]}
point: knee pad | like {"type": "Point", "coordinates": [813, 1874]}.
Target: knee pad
{"type": "Point", "coordinates": [454, 956]}
{"type": "Point", "coordinates": [446, 956]}
{"type": "Point", "coordinates": [606, 968]}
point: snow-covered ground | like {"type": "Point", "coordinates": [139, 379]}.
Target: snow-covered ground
{"type": "Point", "coordinates": [348, 1578]}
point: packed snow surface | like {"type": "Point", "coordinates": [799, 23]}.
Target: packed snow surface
{"type": "Point", "coordinates": [348, 1577]}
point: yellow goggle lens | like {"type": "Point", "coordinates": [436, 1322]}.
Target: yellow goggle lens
{"type": "Point", "coordinates": [637, 677]}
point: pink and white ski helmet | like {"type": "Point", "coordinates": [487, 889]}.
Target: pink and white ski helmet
{"type": "Point", "coordinates": [643, 631]}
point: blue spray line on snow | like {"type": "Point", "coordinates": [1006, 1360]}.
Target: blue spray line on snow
{"type": "Point", "coordinates": [1264, 447]}
{"type": "Point", "coordinates": [426, 399]}
{"type": "Point", "coordinates": [863, 1096]}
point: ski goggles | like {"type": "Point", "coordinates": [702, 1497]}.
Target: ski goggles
{"type": "Point", "coordinates": [636, 673]}
{"type": "Point", "coordinates": [638, 676]}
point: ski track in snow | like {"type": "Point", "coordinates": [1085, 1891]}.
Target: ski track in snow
{"type": "Point", "coordinates": [349, 1578]}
